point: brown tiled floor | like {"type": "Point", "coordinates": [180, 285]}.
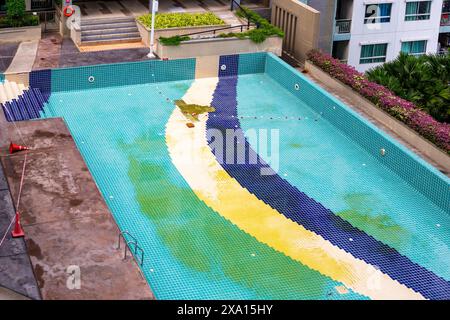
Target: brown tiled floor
{"type": "Point", "coordinates": [48, 52]}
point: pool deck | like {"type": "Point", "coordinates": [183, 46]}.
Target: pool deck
{"type": "Point", "coordinates": [65, 218]}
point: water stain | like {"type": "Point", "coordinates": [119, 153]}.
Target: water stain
{"type": "Point", "coordinates": [75, 202]}
{"type": "Point", "coordinates": [366, 213]}
{"type": "Point", "coordinates": [34, 249]}
{"type": "Point", "coordinates": [296, 145]}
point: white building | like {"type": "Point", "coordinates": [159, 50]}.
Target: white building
{"type": "Point", "coordinates": [366, 33]}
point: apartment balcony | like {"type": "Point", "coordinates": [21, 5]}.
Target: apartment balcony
{"type": "Point", "coordinates": [342, 29]}
{"type": "Point", "coordinates": [445, 22]}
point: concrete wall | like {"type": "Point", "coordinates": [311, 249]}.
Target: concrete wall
{"type": "Point", "coordinates": [365, 106]}
{"type": "Point", "coordinates": [327, 10]}
{"type": "Point", "coordinates": [20, 34]}
{"type": "Point", "coordinates": [393, 33]}
{"type": "Point", "coordinates": [301, 25]}
{"type": "Point", "coordinates": [218, 47]}
{"type": "Point", "coordinates": [145, 32]}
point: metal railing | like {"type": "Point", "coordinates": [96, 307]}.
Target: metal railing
{"type": "Point", "coordinates": [249, 19]}
{"type": "Point", "coordinates": [138, 252]}
{"type": "Point", "coordinates": [242, 27]}
{"type": "Point", "coordinates": [48, 20]}
{"type": "Point", "coordinates": [343, 26]}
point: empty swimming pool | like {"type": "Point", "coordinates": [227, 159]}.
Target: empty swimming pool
{"type": "Point", "coordinates": [337, 219]}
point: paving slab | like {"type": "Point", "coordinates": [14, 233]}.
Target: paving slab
{"type": "Point", "coordinates": [24, 59]}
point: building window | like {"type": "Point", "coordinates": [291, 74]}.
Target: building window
{"type": "Point", "coordinates": [415, 48]}
{"type": "Point", "coordinates": [378, 13]}
{"type": "Point", "coordinates": [373, 53]}
{"type": "Point", "coordinates": [418, 10]}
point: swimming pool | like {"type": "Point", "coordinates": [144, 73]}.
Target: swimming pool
{"type": "Point", "coordinates": [337, 221]}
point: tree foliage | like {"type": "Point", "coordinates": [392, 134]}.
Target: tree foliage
{"type": "Point", "coordinates": [423, 80]}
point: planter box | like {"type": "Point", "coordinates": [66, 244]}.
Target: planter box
{"type": "Point", "coordinates": [218, 47]}
{"type": "Point", "coordinates": [20, 34]}
{"type": "Point", "coordinates": [170, 32]}
{"type": "Point", "coordinates": [367, 107]}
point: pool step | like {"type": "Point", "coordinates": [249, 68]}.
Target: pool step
{"type": "Point", "coordinates": [21, 103]}
{"type": "Point", "coordinates": [10, 90]}
{"type": "Point", "coordinates": [109, 31]}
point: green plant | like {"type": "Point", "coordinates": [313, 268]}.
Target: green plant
{"type": "Point", "coordinates": [423, 80]}
{"type": "Point", "coordinates": [173, 41]}
{"type": "Point", "coordinates": [264, 28]}
{"type": "Point", "coordinates": [177, 20]}
{"type": "Point", "coordinates": [16, 15]}
{"type": "Point", "coordinates": [15, 9]}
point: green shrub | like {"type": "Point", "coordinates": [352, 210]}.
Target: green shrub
{"type": "Point", "coordinates": [15, 9]}
{"type": "Point", "coordinates": [173, 41]}
{"type": "Point", "coordinates": [177, 20]}
{"type": "Point", "coordinates": [423, 80]}
{"type": "Point", "coordinates": [27, 20]}
{"type": "Point", "coordinates": [263, 31]}
{"type": "Point", "coordinates": [16, 15]}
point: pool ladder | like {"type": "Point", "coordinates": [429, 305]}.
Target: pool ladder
{"type": "Point", "coordinates": [138, 252]}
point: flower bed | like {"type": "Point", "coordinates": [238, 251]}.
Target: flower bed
{"type": "Point", "coordinates": [405, 111]}
{"type": "Point", "coordinates": [178, 20]}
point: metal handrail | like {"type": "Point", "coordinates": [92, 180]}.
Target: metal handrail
{"type": "Point", "coordinates": [233, 2]}
{"type": "Point", "coordinates": [214, 30]}
{"type": "Point", "coordinates": [343, 25]}
{"type": "Point", "coordinates": [137, 248]}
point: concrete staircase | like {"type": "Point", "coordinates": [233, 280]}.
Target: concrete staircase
{"type": "Point", "coordinates": [109, 31]}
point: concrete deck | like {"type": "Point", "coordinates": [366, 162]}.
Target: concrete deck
{"type": "Point", "coordinates": [24, 58]}
{"type": "Point", "coordinates": [7, 53]}
{"type": "Point", "coordinates": [65, 218]}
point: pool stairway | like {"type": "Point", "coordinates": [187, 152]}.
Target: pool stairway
{"type": "Point", "coordinates": [109, 31]}
{"type": "Point", "coordinates": [19, 102]}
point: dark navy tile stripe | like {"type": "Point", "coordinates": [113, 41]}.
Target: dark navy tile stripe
{"type": "Point", "coordinates": [25, 107]}
{"type": "Point", "coordinates": [297, 206]}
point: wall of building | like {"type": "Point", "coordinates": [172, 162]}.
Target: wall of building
{"type": "Point", "coordinates": [301, 24]}
{"type": "Point", "coordinates": [327, 10]}
{"type": "Point", "coordinates": [218, 47]}
{"type": "Point", "coordinates": [393, 33]}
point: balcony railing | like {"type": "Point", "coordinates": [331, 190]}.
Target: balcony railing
{"type": "Point", "coordinates": [343, 26]}
{"type": "Point", "coordinates": [445, 19]}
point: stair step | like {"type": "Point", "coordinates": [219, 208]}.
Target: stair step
{"type": "Point", "coordinates": [110, 41]}
{"type": "Point", "coordinates": [3, 97]}
{"type": "Point", "coordinates": [112, 36]}
{"type": "Point", "coordinates": [8, 90]}
{"type": "Point", "coordinates": [108, 25]}
{"type": "Point", "coordinates": [133, 29]}
{"type": "Point", "coordinates": [92, 22]}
